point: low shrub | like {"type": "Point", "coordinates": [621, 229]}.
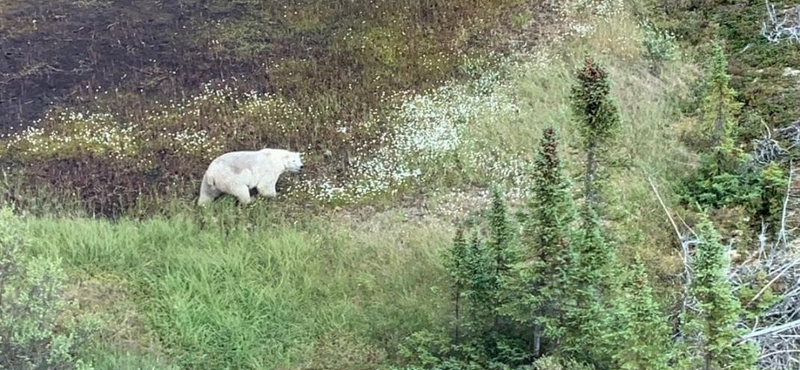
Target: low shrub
{"type": "Point", "coordinates": [35, 331]}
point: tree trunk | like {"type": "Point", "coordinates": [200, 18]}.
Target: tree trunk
{"type": "Point", "coordinates": [591, 169]}
{"type": "Point", "coordinates": [537, 340]}
{"type": "Point", "coordinates": [458, 320]}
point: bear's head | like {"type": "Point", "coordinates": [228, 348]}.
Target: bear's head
{"type": "Point", "coordinates": [293, 162]}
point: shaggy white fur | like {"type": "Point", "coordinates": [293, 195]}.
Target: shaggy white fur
{"type": "Point", "coordinates": [235, 173]}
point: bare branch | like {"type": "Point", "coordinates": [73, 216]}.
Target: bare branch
{"type": "Point", "coordinates": [793, 264]}
{"type": "Point", "coordinates": [791, 133]}
{"type": "Point", "coordinates": [663, 206]}
{"type": "Point", "coordinates": [772, 330]}
{"type": "Point", "coordinates": [788, 28]}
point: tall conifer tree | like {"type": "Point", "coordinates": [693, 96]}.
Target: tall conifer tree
{"type": "Point", "coordinates": [542, 280]}
{"type": "Point", "coordinates": [593, 285]}
{"type": "Point", "coordinates": [599, 118]}
{"type": "Point", "coordinates": [502, 245]}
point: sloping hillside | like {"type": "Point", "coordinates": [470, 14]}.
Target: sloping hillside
{"type": "Point", "coordinates": [407, 112]}
{"type": "Point", "coordinates": [139, 67]}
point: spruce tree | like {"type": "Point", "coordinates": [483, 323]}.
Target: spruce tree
{"type": "Point", "coordinates": [502, 236]}
{"type": "Point", "coordinates": [726, 175]}
{"type": "Point", "coordinates": [541, 279]}
{"type": "Point", "coordinates": [719, 310]}
{"type": "Point", "coordinates": [455, 263]}
{"type": "Point", "coordinates": [593, 285]}
{"type": "Point", "coordinates": [479, 286]}
{"type": "Point", "coordinates": [551, 205]}
{"type": "Point", "coordinates": [644, 339]}
{"type": "Point", "coordinates": [719, 108]}
{"type": "Point", "coordinates": [599, 118]}
{"type": "Point", "coordinates": [595, 255]}
{"type": "Point", "coordinates": [593, 289]}
{"type": "Point", "coordinates": [502, 244]}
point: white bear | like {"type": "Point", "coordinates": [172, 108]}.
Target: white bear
{"type": "Point", "coordinates": [235, 173]}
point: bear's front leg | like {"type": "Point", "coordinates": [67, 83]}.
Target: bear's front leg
{"type": "Point", "coordinates": [242, 192]}
{"type": "Point", "coordinates": [267, 188]}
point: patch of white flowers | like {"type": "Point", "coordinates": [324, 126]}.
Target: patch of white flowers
{"type": "Point", "coordinates": [577, 18]}
{"type": "Point", "coordinates": [195, 142]}
{"type": "Point", "coordinates": [98, 133]}
{"type": "Point", "coordinates": [422, 135]}
{"type": "Point", "coordinates": [427, 132]}
{"type": "Point", "coordinates": [175, 124]}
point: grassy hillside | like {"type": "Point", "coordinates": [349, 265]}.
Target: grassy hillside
{"type": "Point", "coordinates": [407, 113]}
{"type": "Point", "coordinates": [147, 92]}
{"type": "Point", "coordinates": [250, 291]}
{"type": "Point", "coordinates": [760, 67]}
{"type": "Point", "coordinates": [274, 286]}
{"type": "Point", "coordinates": [69, 51]}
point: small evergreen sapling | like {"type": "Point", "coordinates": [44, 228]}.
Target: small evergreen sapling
{"type": "Point", "coordinates": [479, 286]}
{"type": "Point", "coordinates": [502, 244]}
{"type": "Point", "coordinates": [720, 107]}
{"type": "Point", "coordinates": [644, 338]}
{"type": "Point", "coordinates": [455, 263]}
{"type": "Point", "coordinates": [719, 310]}
{"type": "Point", "coordinates": [728, 174]}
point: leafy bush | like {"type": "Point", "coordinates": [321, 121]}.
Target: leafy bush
{"type": "Point", "coordinates": [659, 45]}
{"type": "Point", "coordinates": [31, 308]}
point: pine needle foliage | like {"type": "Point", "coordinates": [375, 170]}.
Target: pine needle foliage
{"type": "Point", "coordinates": [592, 319]}
{"type": "Point", "coordinates": [502, 241]}
{"type": "Point", "coordinates": [551, 206]}
{"type": "Point", "coordinates": [479, 285]}
{"type": "Point", "coordinates": [728, 174]}
{"type": "Point", "coordinates": [503, 246]}
{"type": "Point", "coordinates": [541, 279]}
{"type": "Point", "coordinates": [644, 339]}
{"type": "Point", "coordinates": [455, 263]}
{"type": "Point", "coordinates": [593, 284]}
{"type": "Point", "coordinates": [719, 310]}
{"type": "Point", "coordinates": [599, 119]}
{"type": "Point", "coordinates": [720, 107]}
{"type": "Point", "coordinates": [595, 254]}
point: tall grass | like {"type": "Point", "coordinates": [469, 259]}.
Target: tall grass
{"type": "Point", "coordinates": [263, 288]}
{"type": "Point", "coordinates": [253, 294]}
{"type": "Point", "coordinates": [499, 145]}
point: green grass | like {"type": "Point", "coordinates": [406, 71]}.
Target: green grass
{"type": "Point", "coordinates": [263, 287]}
{"type": "Point", "coordinates": [500, 147]}
{"type": "Point", "coordinates": [256, 294]}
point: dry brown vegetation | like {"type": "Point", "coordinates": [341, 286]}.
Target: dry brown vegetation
{"type": "Point", "coordinates": [137, 66]}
